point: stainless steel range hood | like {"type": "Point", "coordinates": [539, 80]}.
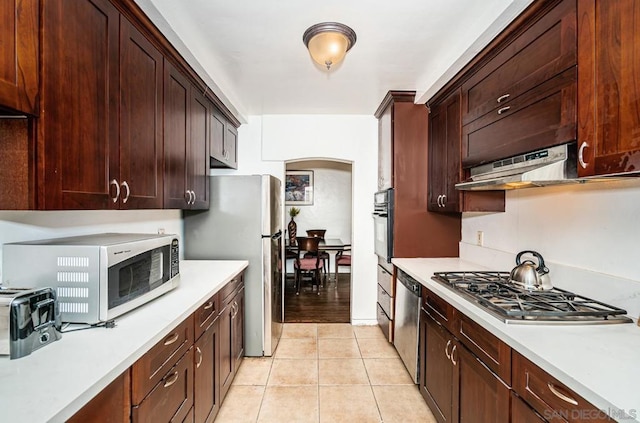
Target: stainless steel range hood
{"type": "Point", "coordinates": [549, 166]}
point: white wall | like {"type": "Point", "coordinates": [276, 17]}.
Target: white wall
{"type": "Point", "coordinates": [31, 225]}
{"type": "Point", "coordinates": [588, 234]}
{"type": "Point", "coordinates": [267, 142]}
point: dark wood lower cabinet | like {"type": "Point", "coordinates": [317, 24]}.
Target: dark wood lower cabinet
{"type": "Point", "coordinates": [206, 375]}
{"type": "Point", "coordinates": [111, 405]}
{"type": "Point", "coordinates": [172, 398]}
{"type": "Point", "coordinates": [456, 384]}
{"type": "Point", "coordinates": [522, 413]}
{"type": "Point", "coordinates": [231, 340]}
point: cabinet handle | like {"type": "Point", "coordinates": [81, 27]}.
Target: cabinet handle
{"type": "Point", "coordinates": [126, 185]}
{"type": "Point", "coordinates": [208, 305]}
{"type": "Point", "coordinates": [503, 97]}
{"type": "Point", "coordinates": [195, 197]}
{"type": "Point", "coordinates": [560, 395]}
{"type": "Point", "coordinates": [444, 200]}
{"type": "Point", "coordinates": [581, 155]}
{"type": "Point", "coordinates": [187, 196]}
{"type": "Point", "coordinates": [170, 380]}
{"type": "Point", "coordinates": [453, 359]}
{"type": "Point", "coordinates": [446, 349]}
{"type": "Point", "coordinates": [199, 351]}
{"type": "Point", "coordinates": [503, 109]}
{"type": "Point", "coordinates": [115, 182]}
{"type": "Point", "coordinates": [171, 339]}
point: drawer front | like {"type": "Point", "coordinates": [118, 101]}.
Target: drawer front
{"type": "Point", "coordinates": [385, 301]}
{"type": "Point", "coordinates": [205, 315]}
{"type": "Point", "coordinates": [441, 311]}
{"type": "Point", "coordinates": [494, 353]}
{"type": "Point", "coordinates": [229, 291]}
{"type": "Point", "coordinates": [522, 413]}
{"type": "Point", "coordinates": [151, 367]}
{"type": "Point", "coordinates": [543, 117]}
{"type": "Point", "coordinates": [549, 397]}
{"type": "Point", "coordinates": [171, 400]}
{"type": "Point", "coordinates": [385, 279]}
{"type": "Point", "coordinates": [544, 50]}
{"type": "Point", "coordinates": [385, 323]}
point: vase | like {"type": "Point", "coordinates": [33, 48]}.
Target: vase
{"type": "Point", "coordinates": [292, 227]}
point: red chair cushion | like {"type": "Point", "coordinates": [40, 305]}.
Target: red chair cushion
{"type": "Point", "coordinates": [344, 261]}
{"type": "Point", "coordinates": [309, 264]}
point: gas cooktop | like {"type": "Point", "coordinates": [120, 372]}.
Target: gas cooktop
{"type": "Point", "coordinates": [513, 304]}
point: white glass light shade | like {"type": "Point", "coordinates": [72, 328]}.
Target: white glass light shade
{"type": "Point", "coordinates": [328, 48]}
{"type": "Point", "coordinates": [328, 42]}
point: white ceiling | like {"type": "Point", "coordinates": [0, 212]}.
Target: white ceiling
{"type": "Point", "coordinates": [252, 55]}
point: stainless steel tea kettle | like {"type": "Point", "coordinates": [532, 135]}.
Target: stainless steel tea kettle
{"type": "Point", "coordinates": [528, 276]}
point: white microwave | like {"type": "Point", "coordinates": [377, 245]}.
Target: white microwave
{"type": "Point", "coordinates": [96, 277]}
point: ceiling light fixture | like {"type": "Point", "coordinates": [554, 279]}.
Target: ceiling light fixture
{"type": "Point", "coordinates": [328, 42]}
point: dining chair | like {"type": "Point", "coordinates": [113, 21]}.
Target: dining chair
{"type": "Point", "coordinates": [343, 258]}
{"type": "Point", "coordinates": [324, 255]}
{"type": "Point", "coordinates": [308, 266]}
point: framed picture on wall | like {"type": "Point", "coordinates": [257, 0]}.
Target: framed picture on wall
{"type": "Point", "coordinates": [298, 188]}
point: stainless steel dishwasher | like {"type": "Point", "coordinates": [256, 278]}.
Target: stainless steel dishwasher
{"type": "Point", "coordinates": [407, 315]}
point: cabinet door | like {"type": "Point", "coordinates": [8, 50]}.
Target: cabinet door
{"type": "Point", "coordinates": [19, 55]}
{"type": "Point", "coordinates": [385, 149]}
{"type": "Point", "coordinates": [522, 413]}
{"type": "Point", "coordinates": [206, 375]}
{"type": "Point", "coordinates": [78, 133]}
{"type": "Point", "coordinates": [198, 164]}
{"type": "Point", "coordinates": [238, 330]}
{"type": "Point", "coordinates": [111, 405]}
{"type": "Point", "coordinates": [172, 398]}
{"type": "Point", "coordinates": [227, 359]}
{"type": "Point", "coordinates": [176, 135]}
{"type": "Point", "coordinates": [231, 145]}
{"type": "Point", "coordinates": [141, 154]}
{"type": "Point", "coordinates": [216, 140]}
{"type": "Point", "coordinates": [479, 395]}
{"type": "Point", "coordinates": [436, 373]}
{"type": "Point", "coordinates": [444, 155]}
{"type": "Point", "coordinates": [608, 86]}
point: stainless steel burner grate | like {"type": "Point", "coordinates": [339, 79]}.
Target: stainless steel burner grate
{"type": "Point", "coordinates": [513, 304]}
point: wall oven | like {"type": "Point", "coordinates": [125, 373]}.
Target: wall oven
{"type": "Point", "coordinates": [383, 224]}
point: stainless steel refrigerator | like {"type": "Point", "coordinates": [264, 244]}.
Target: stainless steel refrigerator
{"type": "Point", "coordinates": [243, 223]}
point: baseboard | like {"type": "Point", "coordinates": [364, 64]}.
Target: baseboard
{"type": "Point", "coordinates": [364, 322]}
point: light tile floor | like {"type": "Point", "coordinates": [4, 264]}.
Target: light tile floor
{"type": "Point", "coordinates": [326, 373]}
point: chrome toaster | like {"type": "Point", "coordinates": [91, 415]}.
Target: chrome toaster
{"type": "Point", "coordinates": [29, 320]}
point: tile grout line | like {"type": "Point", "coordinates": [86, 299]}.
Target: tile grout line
{"type": "Point", "coordinates": [369, 379]}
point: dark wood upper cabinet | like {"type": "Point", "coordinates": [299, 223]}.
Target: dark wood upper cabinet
{"type": "Point", "coordinates": [524, 97]}
{"type": "Point", "coordinates": [141, 153]}
{"type": "Point", "coordinates": [404, 134]}
{"type": "Point", "coordinates": [177, 95]}
{"type": "Point", "coordinates": [223, 141]}
{"type": "Point", "coordinates": [19, 55]}
{"type": "Point", "coordinates": [198, 158]}
{"type": "Point", "coordinates": [608, 87]}
{"type": "Point", "coordinates": [445, 168]}
{"type": "Point", "coordinates": [78, 139]}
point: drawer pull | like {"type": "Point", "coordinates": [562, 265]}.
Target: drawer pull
{"type": "Point", "coordinates": [560, 395]}
{"type": "Point", "coordinates": [446, 349]}
{"type": "Point", "coordinates": [171, 339]}
{"type": "Point", "coordinates": [503, 109]}
{"type": "Point", "coordinates": [208, 305]}
{"type": "Point", "coordinates": [503, 97]}
{"type": "Point", "coordinates": [199, 351]}
{"type": "Point", "coordinates": [453, 359]}
{"type": "Point", "coordinates": [170, 380]}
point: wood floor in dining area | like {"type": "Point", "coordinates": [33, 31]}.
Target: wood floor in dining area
{"type": "Point", "coordinates": [331, 306]}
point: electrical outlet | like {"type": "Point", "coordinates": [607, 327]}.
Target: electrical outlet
{"type": "Point", "coordinates": [160, 231]}
{"type": "Point", "coordinates": [480, 238]}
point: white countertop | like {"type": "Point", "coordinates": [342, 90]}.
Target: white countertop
{"type": "Point", "coordinates": [53, 383]}
{"type": "Point", "coordinates": [599, 362]}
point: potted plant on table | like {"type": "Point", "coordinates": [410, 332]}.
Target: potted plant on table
{"type": "Point", "coordinates": [292, 227]}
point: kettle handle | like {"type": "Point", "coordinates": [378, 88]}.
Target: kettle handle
{"type": "Point", "coordinates": [541, 266]}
